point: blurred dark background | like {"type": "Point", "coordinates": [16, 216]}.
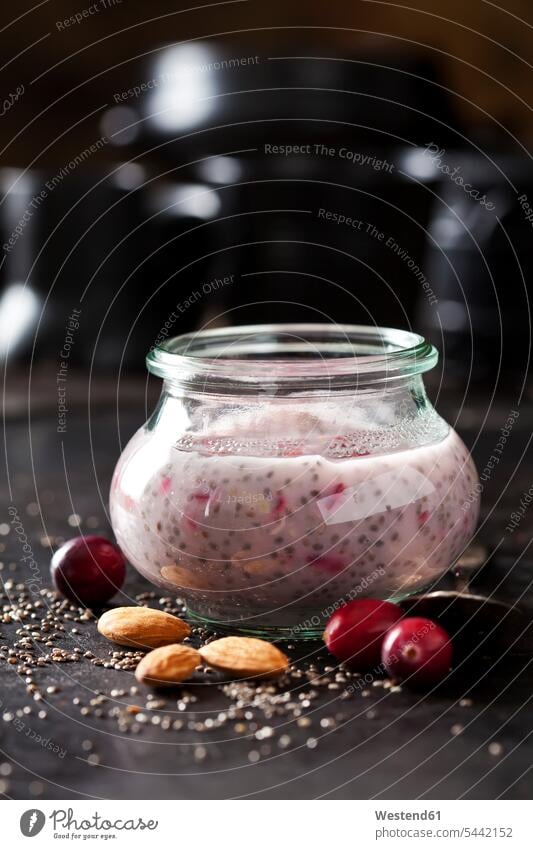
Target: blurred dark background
{"type": "Point", "coordinates": [166, 168]}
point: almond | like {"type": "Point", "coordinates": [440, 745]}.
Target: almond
{"type": "Point", "coordinates": [244, 656]}
{"type": "Point", "coordinates": [167, 665]}
{"type": "Point", "coordinates": [142, 627]}
{"type": "Point", "coordinates": [251, 568]}
{"type": "Point", "coordinates": [181, 577]}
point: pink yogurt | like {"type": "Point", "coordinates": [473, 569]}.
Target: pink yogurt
{"type": "Point", "coordinates": [277, 541]}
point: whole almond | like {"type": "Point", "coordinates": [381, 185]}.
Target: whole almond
{"type": "Point", "coordinates": [142, 627]}
{"type": "Point", "coordinates": [245, 656]}
{"type": "Point", "coordinates": [167, 665]}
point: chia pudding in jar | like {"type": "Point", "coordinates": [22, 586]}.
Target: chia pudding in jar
{"type": "Point", "coordinates": [289, 469]}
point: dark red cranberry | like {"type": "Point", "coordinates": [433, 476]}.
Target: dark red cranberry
{"type": "Point", "coordinates": [329, 563]}
{"type": "Point", "coordinates": [88, 570]}
{"type": "Point", "coordinates": [280, 505]}
{"type": "Point", "coordinates": [355, 632]}
{"type": "Point", "coordinates": [417, 650]}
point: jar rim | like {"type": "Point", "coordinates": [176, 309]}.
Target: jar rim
{"type": "Point", "coordinates": [304, 355]}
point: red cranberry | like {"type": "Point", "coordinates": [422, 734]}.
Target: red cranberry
{"type": "Point", "coordinates": [417, 649]}
{"type": "Point", "coordinates": [355, 632]}
{"type": "Point", "coordinates": [328, 563]}
{"type": "Point", "coordinates": [88, 570]}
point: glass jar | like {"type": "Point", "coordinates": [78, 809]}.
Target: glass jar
{"type": "Point", "coordinates": [288, 469]}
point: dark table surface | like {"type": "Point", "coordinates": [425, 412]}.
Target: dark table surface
{"type": "Point", "coordinates": [378, 743]}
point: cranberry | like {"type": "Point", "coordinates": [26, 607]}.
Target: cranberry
{"type": "Point", "coordinates": [166, 484]}
{"type": "Point", "coordinates": [355, 632]}
{"type": "Point", "coordinates": [417, 649]}
{"type": "Point", "coordinates": [328, 563]}
{"type": "Point", "coordinates": [279, 507]}
{"type": "Point", "coordinates": [88, 570]}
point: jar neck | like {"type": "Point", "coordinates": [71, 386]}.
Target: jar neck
{"type": "Point", "coordinates": [389, 391]}
{"type": "Point", "coordinates": [292, 360]}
